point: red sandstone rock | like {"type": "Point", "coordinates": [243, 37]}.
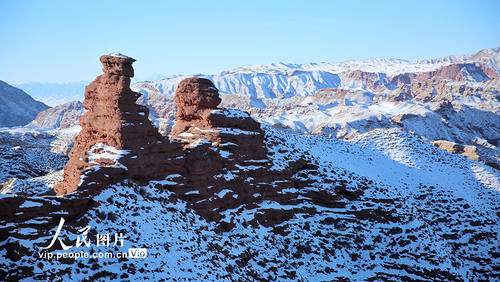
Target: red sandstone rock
{"type": "Point", "coordinates": [370, 79]}
{"type": "Point", "coordinates": [224, 150]}
{"type": "Point", "coordinates": [195, 97]}
{"type": "Point", "coordinates": [453, 72]}
{"type": "Point", "coordinates": [199, 118]}
{"type": "Point", "coordinates": [117, 140]}
{"type": "Point", "coordinates": [212, 150]}
{"type": "Point", "coordinates": [117, 64]}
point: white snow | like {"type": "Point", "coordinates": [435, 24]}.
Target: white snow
{"type": "Point", "coordinates": [186, 134]}
{"type": "Point", "coordinates": [222, 193]}
{"type": "Point", "coordinates": [119, 55]}
{"type": "Point", "coordinates": [30, 204]}
{"type": "Point", "coordinates": [103, 151]}
{"type": "Point", "coordinates": [231, 113]}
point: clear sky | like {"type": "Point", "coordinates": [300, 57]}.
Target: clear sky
{"type": "Point", "coordinates": [60, 41]}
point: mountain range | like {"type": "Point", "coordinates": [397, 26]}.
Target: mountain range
{"type": "Point", "coordinates": [454, 99]}
{"type": "Point", "coordinates": [381, 169]}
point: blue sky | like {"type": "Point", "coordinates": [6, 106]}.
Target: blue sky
{"type": "Point", "coordinates": [60, 41]}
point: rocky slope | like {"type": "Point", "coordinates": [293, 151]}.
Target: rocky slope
{"type": "Point", "coordinates": [227, 198]}
{"type": "Point", "coordinates": [16, 107]}
{"type": "Point", "coordinates": [62, 116]}
{"type": "Point", "coordinates": [28, 153]}
{"type": "Point", "coordinates": [385, 205]}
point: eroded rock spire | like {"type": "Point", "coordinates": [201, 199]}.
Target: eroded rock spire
{"type": "Point", "coordinates": [117, 139]}
{"type": "Point", "coordinates": [212, 150]}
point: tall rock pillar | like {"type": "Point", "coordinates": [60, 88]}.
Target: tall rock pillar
{"type": "Point", "coordinates": [117, 139]}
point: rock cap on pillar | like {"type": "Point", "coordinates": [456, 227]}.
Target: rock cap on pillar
{"type": "Point", "coordinates": [193, 96]}
{"type": "Point", "coordinates": [117, 64]}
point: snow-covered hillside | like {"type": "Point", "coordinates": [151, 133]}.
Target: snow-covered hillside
{"type": "Point", "coordinates": [385, 205]}
{"type": "Point", "coordinates": [16, 107]}
{"type": "Point", "coordinates": [454, 98]}
{"type": "Point", "coordinates": [285, 80]}
{"type": "Point", "coordinates": [27, 152]}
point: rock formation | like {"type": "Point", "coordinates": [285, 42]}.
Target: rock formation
{"type": "Point", "coordinates": [467, 151]}
{"type": "Point", "coordinates": [453, 72]}
{"type": "Point", "coordinates": [216, 159]}
{"type": "Point", "coordinates": [291, 202]}
{"type": "Point", "coordinates": [198, 119]}
{"type": "Point", "coordinates": [224, 149]}
{"type": "Point", "coordinates": [117, 140]}
{"type": "Point", "coordinates": [210, 147]}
